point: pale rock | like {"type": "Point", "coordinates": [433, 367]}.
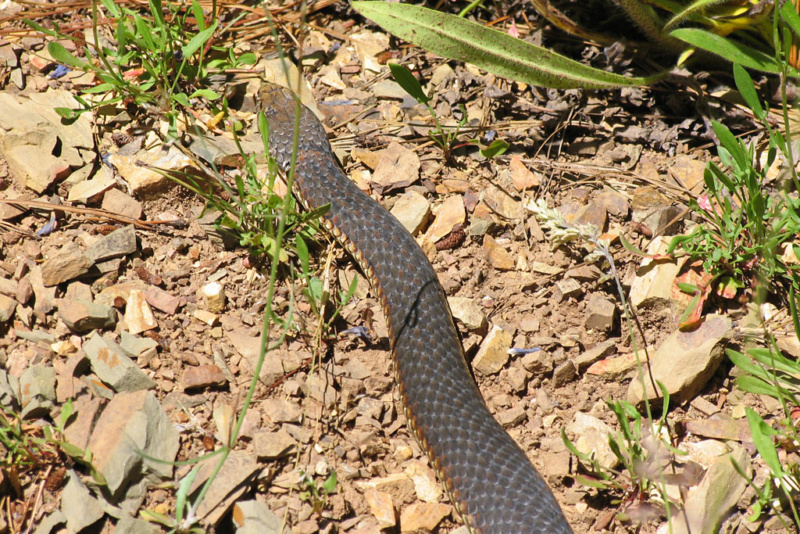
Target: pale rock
{"type": "Point", "coordinates": [423, 516]}
{"type": "Point", "coordinates": [493, 352]}
{"type": "Point", "coordinates": [468, 311]}
{"type": "Point", "coordinates": [68, 263]}
{"type": "Point", "coordinates": [412, 210]}
{"type": "Point", "coordinates": [498, 257]}
{"type": "Point", "coordinates": [591, 438]}
{"type": "Point", "coordinates": [381, 506]}
{"type": "Point", "coordinates": [138, 315]}
{"type": "Point", "coordinates": [452, 212]}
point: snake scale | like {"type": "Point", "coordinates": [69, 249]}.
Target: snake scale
{"type": "Point", "coordinates": [492, 484]}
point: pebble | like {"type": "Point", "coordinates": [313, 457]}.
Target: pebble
{"type": "Point", "coordinates": [203, 376]}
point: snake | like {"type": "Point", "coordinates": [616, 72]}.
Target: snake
{"type": "Point", "coordinates": [490, 481]}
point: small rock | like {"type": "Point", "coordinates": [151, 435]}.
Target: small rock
{"type": "Point", "coordinates": [591, 438]}
{"type": "Point", "coordinates": [498, 257]}
{"type": "Point", "coordinates": [272, 445]}
{"type": "Point", "coordinates": [413, 211]}
{"type": "Point", "coordinates": [522, 177]}
{"type": "Point", "coordinates": [539, 362]}
{"type": "Point", "coordinates": [397, 167]}
{"type": "Point", "coordinates": [545, 268]}
{"type": "Point", "coordinates": [613, 203]}
{"type": "Point", "coordinates": [654, 210]}
{"type": "Point", "coordinates": [118, 202]}
{"type": "Point", "coordinates": [7, 287]}
{"type": "Point", "coordinates": [134, 346]}
{"type": "Point", "coordinates": [468, 311]}
{"type": "Point", "coordinates": [66, 264]}
{"type": "Point", "coordinates": [7, 307]}
{"type": "Point", "coordinates": [132, 525]}
{"type": "Point", "coordinates": [281, 411]}
{"type": "Point", "coordinates": [24, 290]}
{"type": "Point", "coordinates": [503, 204]}
{"type": "Point", "coordinates": [451, 213]}
{"type": "Point", "coordinates": [381, 507]}
{"type": "Point", "coordinates": [206, 317]}
{"type": "Point", "coordinates": [137, 171]}
{"type": "Point", "coordinates": [161, 300]}
{"type": "Point", "coordinates": [37, 388]}
{"type": "Point", "coordinates": [600, 313]}
{"type": "Point", "coordinates": [138, 315]}
{"type": "Point", "coordinates": [566, 288]}
{"type": "Point", "coordinates": [113, 367]}
{"type": "Point", "coordinates": [493, 352]}
{"type": "Point", "coordinates": [513, 416]}
{"type": "Point", "coordinates": [214, 297]}
{"type": "Point", "coordinates": [601, 350]}
{"type": "Point", "coordinates": [425, 484]}
{"type": "Point", "coordinates": [423, 516]}
{"type": "Point", "coordinates": [565, 372]}
{"type": "Point", "coordinates": [203, 376]}
{"type": "Point", "coordinates": [585, 273]}
{"type": "Point", "coordinates": [118, 243]}
{"type": "Point", "coordinates": [82, 317]}
{"type": "Point", "coordinates": [255, 517]}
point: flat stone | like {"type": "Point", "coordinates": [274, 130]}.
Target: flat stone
{"type": "Point", "coordinates": [24, 290]}
{"type": "Point", "coordinates": [503, 204]}
{"type": "Point", "coordinates": [82, 317]}
{"type": "Point", "coordinates": [203, 376]}
{"type": "Point", "coordinates": [131, 525]}
{"type": "Point", "coordinates": [521, 176]}
{"type": "Point", "coordinates": [68, 263]}
{"type": "Point", "coordinates": [232, 482]}
{"type": "Point", "coordinates": [113, 367]}
{"type": "Point", "coordinates": [498, 257]}
{"type": "Point", "coordinates": [136, 169]}
{"type": "Point", "coordinates": [118, 243]}
{"type": "Point", "coordinates": [397, 167]}
{"type": "Point", "coordinates": [513, 416]}
{"type": "Point", "coordinates": [413, 211]}
{"type": "Point", "coordinates": [132, 424]}
{"type": "Point", "coordinates": [255, 517]}
{"type": "Point", "coordinates": [79, 429]}
{"type": "Point", "coordinates": [614, 203]}
{"type": "Point", "coordinates": [161, 300]}
{"type": "Point", "coordinates": [45, 296]}
{"type": "Point", "coordinates": [272, 445]}
{"type": "Point", "coordinates": [120, 203]}
{"type": "Point", "coordinates": [8, 287]}
{"type": "Point", "coordinates": [86, 189]}
{"type": "Point", "coordinates": [591, 438]}
{"type": "Point", "coordinates": [381, 507]}
{"type": "Point", "coordinates": [206, 317]}
{"type": "Point", "coordinates": [492, 355]}
{"type": "Point", "coordinates": [468, 311]}
{"type": "Point", "coordinates": [426, 485]}
{"type": "Point", "coordinates": [423, 517]}
{"type": "Point", "coordinates": [281, 411]}
{"type": "Point", "coordinates": [600, 313]}
{"type": "Point", "coordinates": [37, 388]}
{"type": "Point", "coordinates": [138, 315]}
{"type": "Point", "coordinates": [452, 212]}
{"type": "Point", "coordinates": [685, 361]}
{"type": "Point", "coordinates": [601, 350]}
{"type": "Point", "coordinates": [134, 346]}
{"type": "Point", "coordinates": [78, 504]}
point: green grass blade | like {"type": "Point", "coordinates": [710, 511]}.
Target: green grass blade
{"type": "Point", "coordinates": [744, 83]}
{"type": "Point", "coordinates": [199, 40]}
{"type": "Point", "coordinates": [62, 55]}
{"type": "Point", "coordinates": [762, 438]}
{"type": "Point", "coordinates": [489, 49]}
{"type": "Point", "coordinates": [730, 50]}
{"type": "Point", "coordinates": [688, 11]}
{"type": "Point", "coordinates": [408, 82]}
{"type": "Point", "coordinates": [791, 17]}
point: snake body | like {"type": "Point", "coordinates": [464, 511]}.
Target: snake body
{"type": "Point", "coordinates": [492, 484]}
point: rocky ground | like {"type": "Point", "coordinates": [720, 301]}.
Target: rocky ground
{"type": "Point", "coordinates": [125, 314]}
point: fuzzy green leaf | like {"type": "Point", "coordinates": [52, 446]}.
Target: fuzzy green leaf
{"type": "Point", "coordinates": [728, 49]}
{"type": "Point", "coordinates": [199, 40]}
{"type": "Point", "coordinates": [744, 83]}
{"type": "Point", "coordinates": [489, 49]}
{"type": "Point", "coordinates": [62, 55]}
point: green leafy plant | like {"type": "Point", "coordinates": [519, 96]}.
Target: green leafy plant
{"type": "Point", "coordinates": [745, 223]}
{"type": "Point", "coordinates": [155, 61]}
{"type": "Point", "coordinates": [317, 494]}
{"type": "Point", "coordinates": [443, 137]}
{"type": "Point", "coordinates": [641, 447]}
{"type": "Point", "coordinates": [767, 371]}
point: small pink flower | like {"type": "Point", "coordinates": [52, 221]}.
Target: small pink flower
{"type": "Point", "coordinates": [704, 203]}
{"type": "Point", "coordinates": [513, 31]}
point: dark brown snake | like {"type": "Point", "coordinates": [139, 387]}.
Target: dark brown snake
{"type": "Point", "coordinates": [491, 482]}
